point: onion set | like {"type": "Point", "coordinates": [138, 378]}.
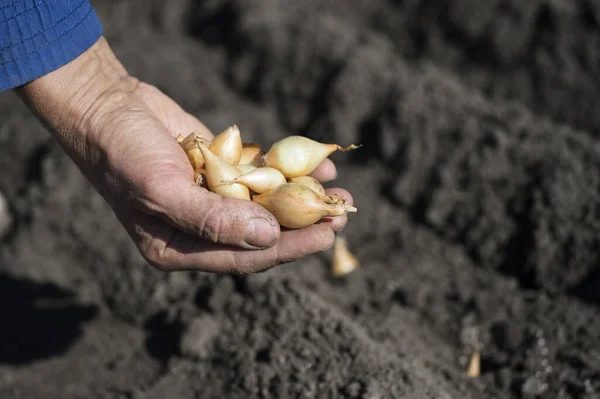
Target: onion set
{"type": "Point", "coordinates": [296, 206]}
{"type": "Point", "coordinates": [219, 170]}
{"type": "Point", "coordinates": [299, 156]}
{"type": "Point", "coordinates": [343, 261]}
{"type": "Point", "coordinates": [251, 154]}
{"type": "Point", "coordinates": [228, 145]}
{"type": "Point", "coordinates": [277, 179]}
{"type": "Point", "coordinates": [191, 146]}
{"type": "Point", "coordinates": [309, 182]}
{"type": "Point", "coordinates": [260, 180]}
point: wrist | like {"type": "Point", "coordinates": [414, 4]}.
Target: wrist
{"type": "Point", "coordinates": [72, 100]}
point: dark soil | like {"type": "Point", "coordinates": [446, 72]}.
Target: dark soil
{"type": "Point", "coordinates": [478, 191]}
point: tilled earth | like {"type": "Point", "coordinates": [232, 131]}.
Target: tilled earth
{"type": "Point", "coordinates": [477, 189]}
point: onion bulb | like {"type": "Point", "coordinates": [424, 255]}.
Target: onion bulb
{"type": "Point", "coordinates": [218, 170]}
{"type": "Point", "coordinates": [251, 154]}
{"type": "Point", "coordinates": [227, 145]}
{"type": "Point", "coordinates": [343, 261]}
{"type": "Point", "coordinates": [260, 179]}
{"type": "Point", "coordinates": [309, 182]}
{"type": "Point", "coordinates": [246, 168]}
{"type": "Point", "coordinates": [474, 368]}
{"type": "Point", "coordinates": [190, 145]}
{"type": "Point", "coordinates": [295, 205]}
{"type": "Point", "coordinates": [298, 156]}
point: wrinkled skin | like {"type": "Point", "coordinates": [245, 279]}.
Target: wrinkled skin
{"type": "Point", "coordinates": [121, 134]}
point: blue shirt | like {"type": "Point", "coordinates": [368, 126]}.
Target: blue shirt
{"type": "Point", "coordinates": [39, 36]}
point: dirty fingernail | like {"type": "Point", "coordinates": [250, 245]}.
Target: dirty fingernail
{"type": "Point", "coordinates": [260, 233]}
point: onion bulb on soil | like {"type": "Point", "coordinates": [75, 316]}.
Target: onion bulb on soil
{"type": "Point", "coordinates": [227, 145]}
{"type": "Point", "coordinates": [474, 368]}
{"type": "Point", "coordinates": [295, 205]}
{"type": "Point", "coordinates": [218, 170]}
{"type": "Point", "coordinates": [298, 156]}
{"type": "Point", "coordinates": [260, 180]}
{"type": "Point", "coordinates": [343, 261]}
{"type": "Point", "coordinates": [251, 154]}
{"type": "Point", "coordinates": [309, 182]}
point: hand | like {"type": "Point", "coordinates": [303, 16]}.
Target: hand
{"type": "Point", "coordinates": [121, 133]}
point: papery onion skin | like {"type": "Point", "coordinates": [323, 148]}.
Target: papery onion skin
{"type": "Point", "coordinates": [190, 145]}
{"type": "Point", "coordinates": [200, 178]}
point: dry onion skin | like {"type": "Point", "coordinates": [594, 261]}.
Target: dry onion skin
{"type": "Point", "coordinates": [277, 179]}
{"type": "Point", "coordinates": [190, 145]}
{"type": "Point", "coordinates": [200, 178]}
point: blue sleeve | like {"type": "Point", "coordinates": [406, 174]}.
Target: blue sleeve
{"type": "Point", "coordinates": [39, 36]}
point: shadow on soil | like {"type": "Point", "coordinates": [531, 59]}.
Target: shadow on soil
{"type": "Point", "coordinates": [37, 321]}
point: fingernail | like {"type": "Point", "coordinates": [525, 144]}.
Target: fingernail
{"type": "Point", "coordinates": [260, 233]}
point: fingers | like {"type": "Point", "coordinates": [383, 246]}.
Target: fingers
{"type": "Point", "coordinates": [325, 172]}
{"type": "Point", "coordinates": [207, 215]}
{"type": "Point", "coordinates": [227, 221]}
{"type": "Point", "coordinates": [171, 250]}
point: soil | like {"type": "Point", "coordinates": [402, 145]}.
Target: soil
{"type": "Point", "coordinates": [477, 187]}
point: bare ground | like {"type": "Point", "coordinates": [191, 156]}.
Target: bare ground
{"type": "Point", "coordinates": [477, 189]}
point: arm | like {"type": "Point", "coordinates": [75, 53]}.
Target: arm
{"type": "Point", "coordinates": [37, 37]}
{"type": "Point", "coordinates": [120, 132]}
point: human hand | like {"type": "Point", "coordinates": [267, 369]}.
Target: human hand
{"type": "Point", "coordinates": [121, 134]}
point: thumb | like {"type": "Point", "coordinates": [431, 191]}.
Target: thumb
{"type": "Point", "coordinates": [201, 213]}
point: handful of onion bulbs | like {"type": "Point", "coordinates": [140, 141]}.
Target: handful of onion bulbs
{"type": "Point", "coordinates": [277, 179]}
